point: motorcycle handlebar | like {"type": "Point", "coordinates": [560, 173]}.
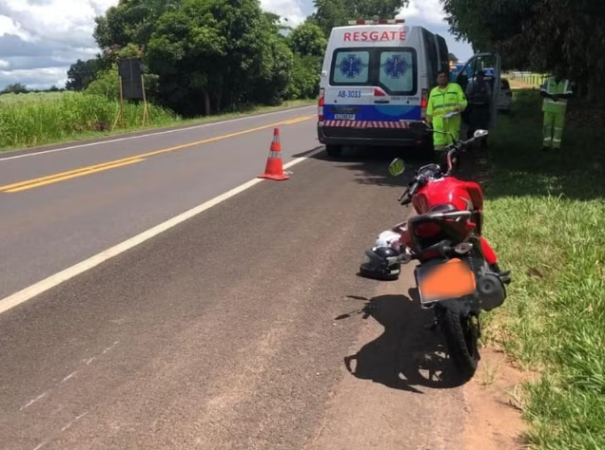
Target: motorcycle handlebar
{"type": "Point", "coordinates": [459, 146]}
{"type": "Point", "coordinates": [409, 193]}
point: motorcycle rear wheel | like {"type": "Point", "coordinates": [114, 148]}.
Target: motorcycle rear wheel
{"type": "Point", "coordinates": [461, 335]}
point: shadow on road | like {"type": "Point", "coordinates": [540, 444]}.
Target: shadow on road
{"type": "Point", "coordinates": [306, 152]}
{"type": "Point", "coordinates": [371, 164]}
{"type": "Point", "coordinates": [406, 355]}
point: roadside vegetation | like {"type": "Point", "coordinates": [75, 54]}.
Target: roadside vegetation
{"type": "Point", "coordinates": [42, 119]}
{"type": "Point", "coordinates": [545, 214]}
{"type": "Point", "coordinates": [28, 120]}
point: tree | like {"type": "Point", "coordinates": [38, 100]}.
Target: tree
{"type": "Point", "coordinates": [536, 34]}
{"type": "Point", "coordinates": [130, 21]}
{"type": "Point", "coordinates": [276, 21]}
{"type": "Point", "coordinates": [305, 77]}
{"type": "Point", "coordinates": [15, 88]}
{"type": "Point", "coordinates": [105, 84]}
{"type": "Point", "coordinates": [81, 74]}
{"type": "Point", "coordinates": [308, 43]}
{"type": "Point", "coordinates": [308, 39]}
{"type": "Point", "coordinates": [332, 13]}
{"type": "Point", "coordinates": [213, 55]}
{"type": "Point", "coordinates": [329, 14]}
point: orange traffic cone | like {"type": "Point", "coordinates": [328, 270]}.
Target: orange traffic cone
{"type": "Point", "coordinates": [274, 170]}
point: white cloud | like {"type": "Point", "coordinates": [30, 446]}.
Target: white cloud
{"type": "Point", "coordinates": [430, 11]}
{"type": "Point", "coordinates": [60, 20]}
{"type": "Point", "coordinates": [36, 79]}
{"type": "Point", "coordinates": [38, 38]}
{"type": "Point", "coordinates": [290, 9]}
{"type": "Point", "coordinates": [9, 26]}
{"type": "Point", "coordinates": [4, 64]}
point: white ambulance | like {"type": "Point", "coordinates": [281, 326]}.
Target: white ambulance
{"type": "Point", "coordinates": [375, 83]}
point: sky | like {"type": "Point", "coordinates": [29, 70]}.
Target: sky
{"type": "Point", "coordinates": [40, 39]}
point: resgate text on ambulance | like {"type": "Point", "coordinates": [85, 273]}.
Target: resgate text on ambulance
{"type": "Point", "coordinates": [361, 36]}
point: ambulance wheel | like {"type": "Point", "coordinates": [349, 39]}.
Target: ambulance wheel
{"type": "Point", "coordinates": [334, 151]}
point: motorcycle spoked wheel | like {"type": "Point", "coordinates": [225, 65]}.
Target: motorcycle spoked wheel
{"type": "Point", "coordinates": [461, 333]}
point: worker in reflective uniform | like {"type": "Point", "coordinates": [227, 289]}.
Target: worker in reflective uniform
{"type": "Point", "coordinates": [446, 102]}
{"type": "Point", "coordinates": [555, 91]}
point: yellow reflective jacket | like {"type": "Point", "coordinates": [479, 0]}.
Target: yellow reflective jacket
{"type": "Point", "coordinates": [551, 87]}
{"type": "Point", "coordinates": [444, 101]}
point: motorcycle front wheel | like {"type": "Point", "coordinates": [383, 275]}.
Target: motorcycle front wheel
{"type": "Point", "coordinates": [461, 333]}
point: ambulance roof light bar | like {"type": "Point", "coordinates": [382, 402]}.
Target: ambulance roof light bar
{"type": "Point", "coordinates": [375, 21]}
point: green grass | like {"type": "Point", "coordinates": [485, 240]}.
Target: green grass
{"type": "Point", "coordinates": [545, 215]}
{"type": "Point", "coordinates": [29, 120]}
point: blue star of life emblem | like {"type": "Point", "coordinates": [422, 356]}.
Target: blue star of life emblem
{"type": "Point", "coordinates": [395, 66]}
{"type": "Point", "coordinates": [351, 66]}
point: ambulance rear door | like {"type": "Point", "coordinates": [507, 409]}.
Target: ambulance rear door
{"type": "Point", "coordinates": [373, 77]}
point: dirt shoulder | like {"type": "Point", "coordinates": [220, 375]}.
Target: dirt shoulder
{"type": "Point", "coordinates": [493, 417]}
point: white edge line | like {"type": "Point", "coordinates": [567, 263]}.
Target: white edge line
{"type": "Point", "coordinates": [32, 291]}
{"type": "Point", "coordinates": [157, 133]}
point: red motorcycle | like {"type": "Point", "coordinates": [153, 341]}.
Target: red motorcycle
{"type": "Point", "coordinates": [458, 274]}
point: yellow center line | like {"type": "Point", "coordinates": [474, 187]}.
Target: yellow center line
{"type": "Point", "coordinates": [298, 120]}
{"type": "Point", "coordinates": [82, 171]}
{"type": "Point", "coordinates": [62, 175]}
{"type": "Point", "coordinates": [74, 175]}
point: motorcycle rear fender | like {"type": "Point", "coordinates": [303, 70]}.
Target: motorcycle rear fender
{"type": "Point", "coordinates": [462, 305]}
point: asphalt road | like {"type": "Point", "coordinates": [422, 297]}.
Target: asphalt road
{"type": "Point", "coordinates": [237, 329]}
{"type": "Point", "coordinates": [45, 228]}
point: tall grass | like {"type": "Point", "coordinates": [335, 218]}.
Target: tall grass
{"type": "Point", "coordinates": [33, 119]}
{"type": "Point", "coordinates": [31, 97]}
{"type": "Point", "coordinates": [546, 217]}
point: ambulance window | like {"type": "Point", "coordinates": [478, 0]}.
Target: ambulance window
{"type": "Point", "coordinates": [350, 67]}
{"type": "Point", "coordinates": [431, 55]}
{"type": "Point", "coordinates": [398, 71]}
{"type": "Point", "coordinates": [444, 55]}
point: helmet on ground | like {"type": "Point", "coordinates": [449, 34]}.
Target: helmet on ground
{"type": "Point", "coordinates": [379, 265]}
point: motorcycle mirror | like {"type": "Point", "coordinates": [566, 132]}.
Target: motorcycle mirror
{"type": "Point", "coordinates": [397, 167]}
{"type": "Point", "coordinates": [480, 133]}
